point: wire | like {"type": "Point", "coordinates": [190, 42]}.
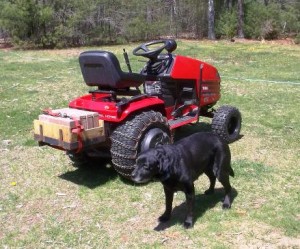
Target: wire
{"type": "Point", "coordinates": [263, 81]}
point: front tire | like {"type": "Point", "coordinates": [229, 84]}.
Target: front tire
{"type": "Point", "coordinates": [227, 122]}
{"type": "Point", "coordinates": [141, 132]}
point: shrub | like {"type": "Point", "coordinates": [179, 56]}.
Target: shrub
{"type": "Point", "coordinates": [270, 22]}
{"type": "Point", "coordinates": [269, 30]}
{"type": "Point", "coordinates": [226, 25]}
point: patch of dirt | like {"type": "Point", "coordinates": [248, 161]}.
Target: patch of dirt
{"type": "Point", "coordinates": [66, 52]}
{"type": "Point", "coordinates": [5, 44]}
{"type": "Point", "coordinates": [286, 41]}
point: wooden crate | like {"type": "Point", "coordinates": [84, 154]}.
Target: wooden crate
{"type": "Point", "coordinates": [67, 116]}
{"type": "Point", "coordinates": [58, 120]}
{"type": "Point", "coordinates": [57, 132]}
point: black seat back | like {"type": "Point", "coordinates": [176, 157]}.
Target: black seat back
{"type": "Point", "coordinates": [102, 69]}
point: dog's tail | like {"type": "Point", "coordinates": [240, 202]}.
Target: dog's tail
{"type": "Point", "coordinates": [222, 162]}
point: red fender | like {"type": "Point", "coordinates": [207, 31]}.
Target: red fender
{"type": "Point", "coordinates": [110, 111]}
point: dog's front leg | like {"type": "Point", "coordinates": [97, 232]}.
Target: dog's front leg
{"type": "Point", "coordinates": [190, 203]}
{"type": "Point", "coordinates": [169, 195]}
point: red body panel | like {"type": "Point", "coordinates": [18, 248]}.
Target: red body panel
{"type": "Point", "coordinates": [109, 111]}
{"type": "Point", "coordinates": [186, 68]}
{"type": "Point", "coordinates": [189, 68]}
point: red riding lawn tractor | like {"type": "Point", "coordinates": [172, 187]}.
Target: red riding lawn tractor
{"type": "Point", "coordinates": [119, 120]}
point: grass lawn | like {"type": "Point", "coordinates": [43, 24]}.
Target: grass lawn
{"type": "Point", "coordinates": [46, 203]}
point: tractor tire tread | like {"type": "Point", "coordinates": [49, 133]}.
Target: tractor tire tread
{"type": "Point", "coordinates": [220, 122]}
{"type": "Point", "coordinates": [126, 138]}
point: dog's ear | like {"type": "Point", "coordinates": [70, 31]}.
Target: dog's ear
{"type": "Point", "coordinates": [168, 161]}
{"type": "Point", "coordinates": [162, 158]}
{"type": "Point", "coordinates": [159, 153]}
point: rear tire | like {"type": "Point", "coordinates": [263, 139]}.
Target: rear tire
{"type": "Point", "coordinates": [227, 122]}
{"type": "Point", "coordinates": [141, 132]}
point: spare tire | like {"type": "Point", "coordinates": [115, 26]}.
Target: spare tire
{"type": "Point", "coordinates": [137, 134]}
{"type": "Point", "coordinates": [227, 122]}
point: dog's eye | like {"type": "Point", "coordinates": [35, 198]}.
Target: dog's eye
{"type": "Point", "coordinates": [146, 166]}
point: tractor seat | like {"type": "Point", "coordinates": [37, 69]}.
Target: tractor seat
{"type": "Point", "coordinates": [102, 69]}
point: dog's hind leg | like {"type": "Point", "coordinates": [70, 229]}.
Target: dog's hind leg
{"type": "Point", "coordinates": [169, 195]}
{"type": "Point", "coordinates": [190, 203]}
{"type": "Point", "coordinates": [222, 170]}
{"type": "Point", "coordinates": [212, 179]}
{"type": "Point", "coordinates": [227, 199]}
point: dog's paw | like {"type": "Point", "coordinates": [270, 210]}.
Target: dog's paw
{"type": "Point", "coordinates": [226, 203]}
{"type": "Point", "coordinates": [226, 206]}
{"type": "Point", "coordinates": [209, 192]}
{"type": "Point", "coordinates": [188, 224]}
{"type": "Point", "coordinates": [164, 218]}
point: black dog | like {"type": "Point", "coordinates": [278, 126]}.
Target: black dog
{"type": "Point", "coordinates": [177, 166]}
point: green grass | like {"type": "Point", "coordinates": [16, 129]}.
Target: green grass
{"type": "Point", "coordinates": [46, 203]}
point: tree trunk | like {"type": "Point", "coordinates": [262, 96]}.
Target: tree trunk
{"type": "Point", "coordinates": [211, 20]}
{"type": "Point", "coordinates": [148, 20]}
{"type": "Point", "coordinates": [241, 19]}
{"type": "Point", "coordinates": [228, 4]}
{"type": "Point", "coordinates": [173, 17]}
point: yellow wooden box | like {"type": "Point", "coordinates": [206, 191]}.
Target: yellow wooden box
{"type": "Point", "coordinates": [61, 136]}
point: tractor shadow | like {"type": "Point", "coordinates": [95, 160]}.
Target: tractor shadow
{"type": "Point", "coordinates": [100, 171]}
{"type": "Point", "coordinates": [93, 174]}
{"type": "Point", "coordinates": [202, 204]}
{"type": "Point", "coordinates": [188, 130]}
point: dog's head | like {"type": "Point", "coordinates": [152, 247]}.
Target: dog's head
{"type": "Point", "coordinates": [160, 163]}
{"type": "Point", "coordinates": [147, 166]}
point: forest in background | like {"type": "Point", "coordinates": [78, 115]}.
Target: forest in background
{"type": "Point", "coordinates": [70, 23]}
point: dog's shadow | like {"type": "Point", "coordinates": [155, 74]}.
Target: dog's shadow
{"type": "Point", "coordinates": [202, 204]}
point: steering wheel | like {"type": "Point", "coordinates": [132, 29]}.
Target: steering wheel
{"type": "Point", "coordinates": [146, 51]}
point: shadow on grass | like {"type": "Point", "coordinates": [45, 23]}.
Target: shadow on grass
{"type": "Point", "coordinates": [202, 204]}
{"type": "Point", "coordinates": [97, 173]}
{"type": "Point", "coordinates": [92, 175]}
{"type": "Point", "coordinates": [187, 130]}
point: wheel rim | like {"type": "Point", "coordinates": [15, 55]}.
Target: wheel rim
{"type": "Point", "coordinates": [153, 138]}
